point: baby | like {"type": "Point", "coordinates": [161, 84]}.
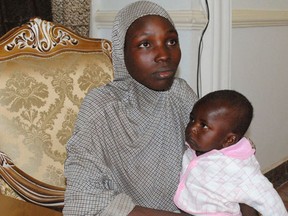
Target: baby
{"type": "Point", "coordinates": [219, 168]}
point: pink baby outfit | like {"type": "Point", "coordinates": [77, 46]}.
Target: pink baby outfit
{"type": "Point", "coordinates": [216, 182]}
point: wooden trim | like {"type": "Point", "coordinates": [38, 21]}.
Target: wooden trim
{"type": "Point", "coordinates": [29, 188]}
{"type": "Point", "coordinates": [43, 38]}
{"type": "Point", "coordinates": [278, 175]}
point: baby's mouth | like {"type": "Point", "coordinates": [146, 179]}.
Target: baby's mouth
{"type": "Point", "coordinates": [192, 144]}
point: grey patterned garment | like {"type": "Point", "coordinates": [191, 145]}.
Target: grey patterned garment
{"type": "Point", "coordinates": [128, 141]}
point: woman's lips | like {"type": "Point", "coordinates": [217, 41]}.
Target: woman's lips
{"type": "Point", "coordinates": [165, 74]}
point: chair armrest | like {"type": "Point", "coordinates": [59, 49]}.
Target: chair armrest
{"type": "Point", "coordinates": [29, 188]}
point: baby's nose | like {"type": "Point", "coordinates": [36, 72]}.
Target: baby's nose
{"type": "Point", "coordinates": [194, 129]}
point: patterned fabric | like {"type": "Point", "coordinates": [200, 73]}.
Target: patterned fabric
{"type": "Point", "coordinates": [40, 99]}
{"type": "Point", "coordinates": [6, 190]}
{"type": "Point", "coordinates": [215, 182]}
{"type": "Point", "coordinates": [128, 141]}
{"type": "Point", "coordinates": [73, 14]}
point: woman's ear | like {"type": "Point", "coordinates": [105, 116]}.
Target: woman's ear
{"type": "Point", "coordinates": [231, 139]}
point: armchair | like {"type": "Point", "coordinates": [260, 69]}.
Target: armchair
{"type": "Point", "coordinates": [45, 71]}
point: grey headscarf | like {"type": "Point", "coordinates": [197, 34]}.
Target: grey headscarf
{"type": "Point", "coordinates": [122, 22]}
{"type": "Point", "coordinates": [154, 122]}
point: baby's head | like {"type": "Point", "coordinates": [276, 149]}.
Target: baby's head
{"type": "Point", "coordinates": [218, 120]}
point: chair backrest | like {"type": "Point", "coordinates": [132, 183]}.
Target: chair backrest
{"type": "Point", "coordinates": [45, 72]}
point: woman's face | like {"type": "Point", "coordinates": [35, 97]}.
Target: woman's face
{"type": "Point", "coordinates": [152, 52]}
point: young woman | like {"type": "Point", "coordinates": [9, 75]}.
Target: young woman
{"type": "Point", "coordinates": [124, 157]}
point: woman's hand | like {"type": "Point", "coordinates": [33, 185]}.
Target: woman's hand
{"type": "Point", "coordinates": [247, 210]}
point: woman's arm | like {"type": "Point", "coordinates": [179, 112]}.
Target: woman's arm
{"type": "Point", "coordinates": [90, 187]}
{"type": "Point", "coordinates": [142, 211]}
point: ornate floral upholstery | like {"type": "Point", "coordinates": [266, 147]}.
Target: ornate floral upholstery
{"type": "Point", "coordinates": [45, 71]}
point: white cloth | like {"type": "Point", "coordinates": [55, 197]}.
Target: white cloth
{"type": "Point", "coordinates": [216, 182]}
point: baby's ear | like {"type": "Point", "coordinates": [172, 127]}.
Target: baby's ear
{"type": "Point", "coordinates": [230, 140]}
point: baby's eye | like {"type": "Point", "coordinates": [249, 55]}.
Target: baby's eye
{"type": "Point", "coordinates": [145, 44]}
{"type": "Point", "coordinates": [203, 125]}
{"type": "Point", "coordinates": [191, 118]}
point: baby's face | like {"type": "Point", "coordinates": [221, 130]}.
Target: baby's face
{"type": "Point", "coordinates": [208, 128]}
{"type": "Point", "coordinates": [152, 52]}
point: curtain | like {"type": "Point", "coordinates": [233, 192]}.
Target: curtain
{"type": "Point", "coordinates": [16, 12]}
{"type": "Point", "coordinates": [74, 14]}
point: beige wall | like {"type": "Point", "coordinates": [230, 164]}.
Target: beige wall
{"type": "Point", "coordinates": [245, 50]}
{"type": "Point", "coordinates": [259, 69]}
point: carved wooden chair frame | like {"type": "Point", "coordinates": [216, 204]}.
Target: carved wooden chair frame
{"type": "Point", "coordinates": [45, 39]}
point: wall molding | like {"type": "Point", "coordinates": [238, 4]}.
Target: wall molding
{"type": "Point", "coordinates": [196, 19]}
{"type": "Point", "coordinates": [259, 18]}
{"type": "Point", "coordinates": [183, 19]}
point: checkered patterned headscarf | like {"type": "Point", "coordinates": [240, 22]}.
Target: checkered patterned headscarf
{"type": "Point", "coordinates": [148, 125]}
{"type": "Point", "coordinates": [122, 22]}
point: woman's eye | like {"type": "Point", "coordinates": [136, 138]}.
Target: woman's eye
{"type": "Point", "coordinates": [144, 44]}
{"type": "Point", "coordinates": [172, 42]}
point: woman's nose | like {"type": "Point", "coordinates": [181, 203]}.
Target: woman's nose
{"type": "Point", "coordinates": [162, 54]}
